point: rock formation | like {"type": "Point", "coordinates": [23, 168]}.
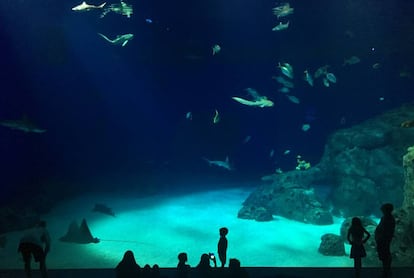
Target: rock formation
{"type": "Point", "coordinates": [362, 164]}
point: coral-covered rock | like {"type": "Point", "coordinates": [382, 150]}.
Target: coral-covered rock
{"type": "Point", "coordinates": [332, 245]}
{"type": "Point", "coordinates": [260, 214]}
{"type": "Point", "coordinates": [362, 165]}
{"type": "Point", "coordinates": [285, 197]}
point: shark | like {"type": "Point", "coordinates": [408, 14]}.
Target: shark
{"type": "Point", "coordinates": [23, 124]}
{"type": "Point", "coordinates": [220, 163]}
{"type": "Point", "coordinates": [119, 40]}
{"type": "Point", "coordinates": [281, 26]}
{"type": "Point", "coordinates": [258, 102]}
{"type": "Point", "coordinates": [83, 7]}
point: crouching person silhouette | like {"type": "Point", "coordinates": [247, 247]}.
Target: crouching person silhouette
{"type": "Point", "coordinates": [36, 242]}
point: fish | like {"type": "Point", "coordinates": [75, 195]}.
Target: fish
{"type": "Point", "coordinates": [119, 40]}
{"type": "Point", "coordinates": [331, 77]}
{"type": "Point", "coordinates": [376, 66]}
{"type": "Point", "coordinates": [104, 209]}
{"type": "Point", "coordinates": [325, 82]}
{"type": "Point", "coordinates": [216, 117]}
{"type": "Point", "coordinates": [24, 125]}
{"type": "Point", "coordinates": [220, 163]}
{"type": "Point", "coordinates": [321, 71]}
{"type": "Point", "coordinates": [247, 139]}
{"type": "Point", "coordinates": [281, 26]}
{"type": "Point", "coordinates": [122, 8]}
{"type": "Point", "coordinates": [262, 102]}
{"type": "Point", "coordinates": [272, 153]}
{"type": "Point", "coordinates": [284, 90]}
{"type": "Point", "coordinates": [308, 78]}
{"type": "Point", "coordinates": [306, 127]}
{"type": "Point", "coordinates": [351, 61]}
{"type": "Point", "coordinates": [216, 49]}
{"type": "Point", "coordinates": [189, 116]}
{"type": "Point", "coordinates": [293, 99]}
{"type": "Point", "coordinates": [282, 10]}
{"type": "Point", "coordinates": [83, 7]}
{"type": "Point", "coordinates": [286, 152]}
{"type": "Point", "coordinates": [286, 69]}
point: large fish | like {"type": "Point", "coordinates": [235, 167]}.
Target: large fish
{"type": "Point", "coordinates": [119, 40]}
{"type": "Point", "coordinates": [262, 102]}
{"type": "Point", "coordinates": [24, 125]}
{"type": "Point", "coordinates": [220, 163]}
{"type": "Point", "coordinates": [83, 7]}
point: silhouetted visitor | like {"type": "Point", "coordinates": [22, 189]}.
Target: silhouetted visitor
{"type": "Point", "coordinates": [235, 270]}
{"type": "Point", "coordinates": [222, 246]}
{"type": "Point", "coordinates": [36, 242]}
{"type": "Point", "coordinates": [204, 268]}
{"type": "Point", "coordinates": [183, 269]}
{"type": "Point", "coordinates": [146, 271]}
{"type": "Point", "coordinates": [155, 272]}
{"type": "Point", "coordinates": [383, 237]}
{"type": "Point", "coordinates": [356, 238]}
{"type": "Point", "coordinates": [128, 267]}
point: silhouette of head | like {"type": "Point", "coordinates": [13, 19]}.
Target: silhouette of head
{"type": "Point", "coordinates": [182, 257]}
{"type": "Point", "coordinates": [129, 257]}
{"type": "Point", "coordinates": [387, 208]}
{"type": "Point", "coordinates": [356, 221]}
{"type": "Point", "coordinates": [234, 264]}
{"type": "Point", "coordinates": [204, 261]}
{"type": "Point", "coordinates": [224, 231]}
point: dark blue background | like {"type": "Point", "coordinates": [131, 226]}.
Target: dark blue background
{"type": "Point", "coordinates": [119, 113]}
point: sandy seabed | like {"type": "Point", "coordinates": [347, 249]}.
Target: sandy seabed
{"type": "Point", "coordinates": [157, 228]}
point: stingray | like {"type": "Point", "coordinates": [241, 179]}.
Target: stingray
{"type": "Point", "coordinates": [79, 234]}
{"type": "Point", "coordinates": [102, 208]}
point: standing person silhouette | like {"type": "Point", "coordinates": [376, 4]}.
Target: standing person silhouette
{"type": "Point", "coordinates": [356, 238]}
{"type": "Point", "coordinates": [383, 237]}
{"type": "Point", "coordinates": [32, 244]}
{"type": "Point", "coordinates": [222, 246]}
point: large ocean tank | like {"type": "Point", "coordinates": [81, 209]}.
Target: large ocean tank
{"type": "Point", "coordinates": [157, 121]}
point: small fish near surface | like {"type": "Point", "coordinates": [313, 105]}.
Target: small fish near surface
{"type": "Point", "coordinates": [119, 40]}
{"type": "Point", "coordinates": [104, 209]}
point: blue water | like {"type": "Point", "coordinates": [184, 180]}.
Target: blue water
{"type": "Point", "coordinates": [111, 111]}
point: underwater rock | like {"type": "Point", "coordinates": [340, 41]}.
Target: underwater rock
{"type": "Point", "coordinates": [362, 164]}
{"type": "Point", "coordinates": [288, 198]}
{"type": "Point", "coordinates": [332, 245]}
{"type": "Point", "coordinates": [260, 214]}
{"type": "Point", "coordinates": [402, 246]}
{"type": "Point", "coordinates": [365, 163]}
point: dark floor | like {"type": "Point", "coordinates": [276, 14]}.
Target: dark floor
{"type": "Point", "coordinates": [253, 273]}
